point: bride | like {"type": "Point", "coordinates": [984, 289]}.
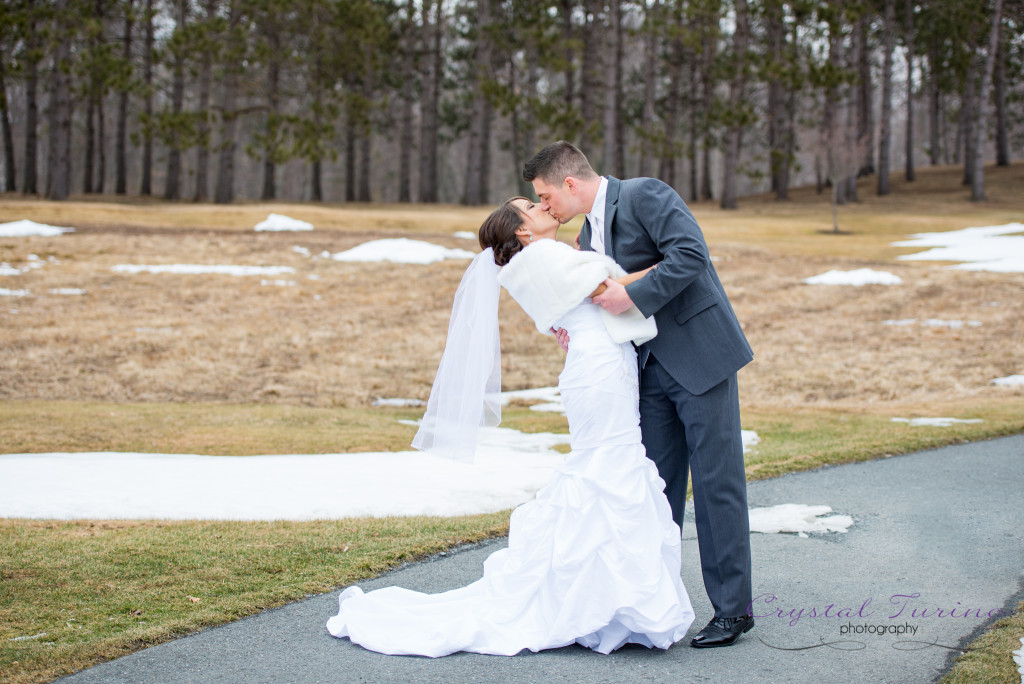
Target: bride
{"type": "Point", "coordinates": [595, 558]}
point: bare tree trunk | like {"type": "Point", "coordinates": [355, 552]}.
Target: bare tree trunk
{"type": "Point", "coordinates": [475, 191]}
{"type": "Point", "coordinates": [224, 191]}
{"type": "Point", "coordinates": [121, 133]}
{"type": "Point", "coordinates": [738, 98]}
{"type": "Point", "coordinates": [695, 187]}
{"type": "Point", "coordinates": [316, 181]}
{"type": "Point", "coordinates": [59, 187]}
{"type": "Point", "coordinates": [90, 144]}
{"type": "Point", "coordinates": [987, 70]}
{"type": "Point", "coordinates": [365, 167]}
{"type": "Point", "coordinates": [405, 141]}
{"type": "Point", "coordinates": [101, 133]}
{"type": "Point", "coordinates": [10, 175]}
{"type": "Point", "coordinates": [909, 32]}
{"type": "Point", "coordinates": [172, 184]}
{"type": "Point", "coordinates": [614, 154]}
{"type": "Point", "coordinates": [934, 112]}
{"type": "Point", "coordinates": [350, 158]}
{"type": "Point", "coordinates": [707, 89]}
{"type": "Point", "coordinates": [591, 73]}
{"type": "Point", "coordinates": [885, 135]}
{"type": "Point", "coordinates": [789, 148]}
{"type": "Point", "coordinates": [364, 178]}
{"type": "Point", "coordinates": [648, 114]}
{"type": "Point", "coordinates": [865, 104]}
{"type": "Point", "coordinates": [968, 105]}
{"type": "Point", "coordinates": [673, 100]}
{"type": "Point", "coordinates": [833, 132]}
{"type": "Point", "coordinates": [530, 90]}
{"type": "Point", "coordinates": [94, 135]}
{"type": "Point", "coordinates": [819, 174]}
{"type": "Point", "coordinates": [202, 186]}
{"type": "Point", "coordinates": [273, 104]}
{"type": "Point", "coordinates": [431, 99]}
{"type": "Point", "coordinates": [777, 159]}
{"type": "Point", "coordinates": [527, 124]}
{"type": "Point", "coordinates": [31, 184]}
{"type": "Point", "coordinates": [146, 186]}
{"type": "Point", "coordinates": [999, 95]}
{"type": "Point", "coordinates": [569, 73]}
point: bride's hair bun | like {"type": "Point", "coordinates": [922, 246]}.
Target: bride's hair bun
{"type": "Point", "coordinates": [498, 231]}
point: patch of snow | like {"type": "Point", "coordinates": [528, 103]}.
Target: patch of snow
{"type": "Point", "coordinates": [33, 262]}
{"type": "Point", "coordinates": [301, 250]}
{"type": "Point", "coordinates": [998, 249]}
{"type": "Point", "coordinates": [1010, 381]}
{"type": "Point", "coordinates": [750, 440]}
{"type": "Point", "coordinates": [28, 638]}
{"type": "Point", "coordinates": [27, 228]}
{"type": "Point", "coordinates": [278, 222]}
{"type": "Point", "coordinates": [1018, 657]}
{"type": "Point", "coordinates": [401, 251]}
{"type": "Point", "coordinates": [4, 292]}
{"type": "Point", "coordinates": [936, 422]}
{"type": "Point", "coordinates": [552, 400]}
{"type": "Point", "coordinates": [381, 401]}
{"type": "Point", "coordinates": [857, 278]}
{"type": "Point", "coordinates": [797, 518]}
{"type": "Point", "coordinates": [934, 323]}
{"type": "Point", "coordinates": [67, 291]}
{"type": "Point", "coordinates": [202, 269]}
{"type": "Point", "coordinates": [465, 235]}
{"type": "Point", "coordinates": [278, 283]}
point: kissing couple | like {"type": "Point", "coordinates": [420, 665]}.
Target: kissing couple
{"type": "Point", "coordinates": [649, 387]}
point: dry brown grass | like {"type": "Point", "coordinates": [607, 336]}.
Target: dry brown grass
{"type": "Point", "coordinates": [348, 333]}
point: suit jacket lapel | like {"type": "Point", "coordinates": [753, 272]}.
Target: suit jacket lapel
{"type": "Point", "coordinates": [611, 202]}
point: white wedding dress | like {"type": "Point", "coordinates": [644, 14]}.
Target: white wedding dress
{"type": "Point", "coordinates": [594, 559]}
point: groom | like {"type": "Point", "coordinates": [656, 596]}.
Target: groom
{"type": "Point", "coordinates": [689, 403]}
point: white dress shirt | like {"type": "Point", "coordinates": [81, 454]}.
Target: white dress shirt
{"type": "Point", "coordinates": [596, 218]}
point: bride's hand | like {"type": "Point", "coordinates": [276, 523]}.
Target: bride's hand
{"type": "Point", "coordinates": [562, 335]}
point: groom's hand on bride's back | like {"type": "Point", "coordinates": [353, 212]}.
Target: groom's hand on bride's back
{"type": "Point", "coordinates": [614, 299]}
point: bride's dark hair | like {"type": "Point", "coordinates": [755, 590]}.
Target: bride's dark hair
{"type": "Point", "coordinates": [498, 231]}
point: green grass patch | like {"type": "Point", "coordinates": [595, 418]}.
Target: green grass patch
{"type": "Point", "coordinates": [221, 429]}
{"type": "Point", "coordinates": [97, 590]}
{"type": "Point", "coordinates": [989, 659]}
{"type": "Point", "coordinates": [803, 439]}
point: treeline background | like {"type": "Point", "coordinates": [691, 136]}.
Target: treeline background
{"type": "Point", "coordinates": [443, 100]}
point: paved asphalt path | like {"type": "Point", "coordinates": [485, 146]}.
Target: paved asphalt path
{"type": "Point", "coordinates": [944, 526]}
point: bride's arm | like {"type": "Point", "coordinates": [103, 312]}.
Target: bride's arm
{"type": "Point", "coordinates": [624, 280]}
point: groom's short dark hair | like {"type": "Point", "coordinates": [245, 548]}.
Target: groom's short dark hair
{"type": "Point", "coordinates": [556, 162]}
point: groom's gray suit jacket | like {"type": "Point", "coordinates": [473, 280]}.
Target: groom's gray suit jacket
{"type": "Point", "coordinates": [700, 341]}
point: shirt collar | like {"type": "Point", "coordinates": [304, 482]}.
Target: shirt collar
{"type": "Point", "coordinates": [596, 213]}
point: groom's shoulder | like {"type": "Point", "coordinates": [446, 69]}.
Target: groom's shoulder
{"type": "Point", "coordinates": [644, 185]}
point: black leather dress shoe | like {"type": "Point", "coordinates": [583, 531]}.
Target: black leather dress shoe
{"type": "Point", "coordinates": [722, 632]}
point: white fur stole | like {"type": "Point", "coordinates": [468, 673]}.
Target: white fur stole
{"type": "Point", "coordinates": [548, 278]}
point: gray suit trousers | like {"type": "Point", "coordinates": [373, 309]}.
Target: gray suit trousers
{"type": "Point", "coordinates": [701, 434]}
